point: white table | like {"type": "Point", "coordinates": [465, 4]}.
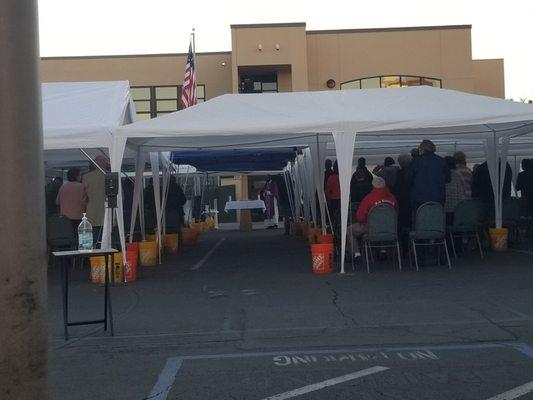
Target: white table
{"type": "Point", "coordinates": [244, 205]}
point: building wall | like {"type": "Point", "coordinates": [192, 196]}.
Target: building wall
{"type": "Point", "coordinates": [489, 77]}
{"type": "Point", "coordinates": [292, 52]}
{"type": "Point", "coordinates": [305, 60]}
{"type": "Point", "coordinates": [343, 56]}
{"type": "Point", "coordinates": [149, 70]}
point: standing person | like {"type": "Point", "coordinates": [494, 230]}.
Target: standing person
{"type": "Point", "coordinates": [380, 194]}
{"type": "Point", "coordinates": [402, 194]}
{"type": "Point", "coordinates": [328, 171]}
{"type": "Point", "coordinates": [482, 185]}
{"type": "Point", "coordinates": [361, 182]}
{"type": "Point", "coordinates": [150, 219]}
{"type": "Point", "coordinates": [270, 194]}
{"type": "Point", "coordinates": [455, 190]}
{"type": "Point", "coordinates": [175, 201]}
{"type": "Point", "coordinates": [333, 197]}
{"type": "Point", "coordinates": [524, 180]}
{"type": "Point", "coordinates": [71, 198]}
{"type": "Point", "coordinates": [94, 185]}
{"type": "Point", "coordinates": [51, 190]}
{"type": "Point", "coordinates": [427, 177]}
{"type": "Point", "coordinates": [460, 166]}
{"type": "Point", "coordinates": [388, 171]}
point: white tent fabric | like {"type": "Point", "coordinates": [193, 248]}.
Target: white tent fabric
{"type": "Point", "coordinates": [296, 119]}
{"type": "Point", "coordinates": [84, 115]}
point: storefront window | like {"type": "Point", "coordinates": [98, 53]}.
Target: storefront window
{"type": "Point", "coordinates": [390, 81]}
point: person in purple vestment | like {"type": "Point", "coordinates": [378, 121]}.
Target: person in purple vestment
{"type": "Point", "coordinates": [270, 195]}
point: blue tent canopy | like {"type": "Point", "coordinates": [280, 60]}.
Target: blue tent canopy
{"type": "Point", "coordinates": [242, 160]}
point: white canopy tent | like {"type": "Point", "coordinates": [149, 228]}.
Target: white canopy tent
{"type": "Point", "coordinates": [84, 115]}
{"type": "Point", "coordinates": [374, 116]}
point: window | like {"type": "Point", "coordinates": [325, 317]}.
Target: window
{"type": "Point", "coordinates": [154, 101]}
{"type": "Point", "coordinates": [370, 83]}
{"type": "Point", "coordinates": [390, 81]}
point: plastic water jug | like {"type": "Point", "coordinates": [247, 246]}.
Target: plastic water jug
{"type": "Point", "coordinates": [85, 235]}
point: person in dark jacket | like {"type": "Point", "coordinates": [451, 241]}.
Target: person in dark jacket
{"type": "Point", "coordinates": [328, 171]}
{"type": "Point", "coordinates": [51, 190]}
{"type": "Point", "coordinates": [174, 206]}
{"type": "Point", "coordinates": [150, 220]}
{"type": "Point", "coordinates": [427, 177]}
{"type": "Point", "coordinates": [524, 180]}
{"type": "Point", "coordinates": [361, 182]}
{"type": "Point", "coordinates": [482, 185]}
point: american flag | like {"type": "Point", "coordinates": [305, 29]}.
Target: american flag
{"type": "Point", "coordinates": [188, 90]}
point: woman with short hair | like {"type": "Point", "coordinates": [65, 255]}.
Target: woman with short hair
{"type": "Point", "coordinates": [71, 197]}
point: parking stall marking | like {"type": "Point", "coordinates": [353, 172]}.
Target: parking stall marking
{"type": "Point", "coordinates": [304, 357]}
{"type": "Point", "coordinates": [324, 384]}
{"type": "Point", "coordinates": [515, 393]}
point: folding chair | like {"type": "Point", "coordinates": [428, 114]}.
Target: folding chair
{"type": "Point", "coordinates": [430, 229]}
{"type": "Point", "coordinates": [466, 220]}
{"type": "Point", "coordinates": [382, 231]}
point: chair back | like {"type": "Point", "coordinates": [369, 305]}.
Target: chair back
{"type": "Point", "coordinates": [382, 223]}
{"type": "Point", "coordinates": [59, 232]}
{"type": "Point", "coordinates": [430, 221]}
{"type": "Point", "coordinates": [467, 216]}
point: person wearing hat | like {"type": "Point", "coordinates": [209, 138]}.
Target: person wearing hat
{"type": "Point", "coordinates": [94, 184]}
{"type": "Point", "coordinates": [380, 194]}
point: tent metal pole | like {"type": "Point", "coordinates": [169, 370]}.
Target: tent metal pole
{"type": "Point", "coordinates": [92, 161]}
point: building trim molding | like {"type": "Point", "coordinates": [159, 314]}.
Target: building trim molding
{"type": "Point", "coordinates": [399, 29]}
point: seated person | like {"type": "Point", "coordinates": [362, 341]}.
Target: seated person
{"type": "Point", "coordinates": [380, 194]}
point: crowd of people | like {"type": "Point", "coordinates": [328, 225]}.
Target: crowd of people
{"type": "Point", "coordinates": [86, 194]}
{"type": "Point", "coordinates": [421, 176]}
{"type": "Point", "coordinates": [79, 195]}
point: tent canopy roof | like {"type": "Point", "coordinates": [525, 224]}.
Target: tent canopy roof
{"type": "Point", "coordinates": [294, 119]}
{"type": "Point", "coordinates": [84, 114]}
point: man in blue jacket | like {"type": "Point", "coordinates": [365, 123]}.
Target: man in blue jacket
{"type": "Point", "coordinates": [427, 176]}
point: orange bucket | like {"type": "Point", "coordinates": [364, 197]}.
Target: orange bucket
{"type": "Point", "coordinates": [115, 271]}
{"type": "Point", "coordinates": [189, 236]}
{"type": "Point", "coordinates": [97, 269]}
{"type": "Point", "coordinates": [311, 235]}
{"type": "Point", "coordinates": [322, 255]}
{"type": "Point", "coordinates": [148, 253]}
{"type": "Point", "coordinates": [171, 243]}
{"type": "Point", "coordinates": [132, 259]}
{"type": "Point", "coordinates": [322, 239]}
{"type": "Point", "coordinates": [498, 238]}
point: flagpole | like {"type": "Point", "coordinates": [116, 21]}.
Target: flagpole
{"type": "Point", "coordinates": [194, 51]}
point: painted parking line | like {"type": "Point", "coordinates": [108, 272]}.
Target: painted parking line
{"type": "Point", "coordinates": [515, 393]}
{"type": "Point", "coordinates": [281, 358]}
{"type": "Point", "coordinates": [166, 379]}
{"type": "Point", "coordinates": [206, 257]}
{"type": "Point", "coordinates": [324, 384]}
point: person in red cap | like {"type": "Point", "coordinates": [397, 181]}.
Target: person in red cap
{"type": "Point", "coordinates": [380, 194]}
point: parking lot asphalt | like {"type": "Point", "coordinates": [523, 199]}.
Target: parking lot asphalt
{"type": "Point", "coordinates": [250, 321]}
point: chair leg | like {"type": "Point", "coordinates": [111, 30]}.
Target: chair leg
{"type": "Point", "coordinates": [399, 255]}
{"type": "Point", "coordinates": [453, 245]}
{"type": "Point", "coordinates": [447, 254]}
{"type": "Point", "coordinates": [414, 252]}
{"type": "Point", "coordinates": [479, 244]}
{"type": "Point", "coordinates": [367, 249]}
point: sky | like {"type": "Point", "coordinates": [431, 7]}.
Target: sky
{"type": "Point", "coordinates": [500, 29]}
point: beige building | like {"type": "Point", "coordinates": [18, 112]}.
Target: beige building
{"type": "Point", "coordinates": [287, 57]}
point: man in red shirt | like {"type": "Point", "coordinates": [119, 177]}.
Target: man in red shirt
{"type": "Point", "coordinates": [380, 194]}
